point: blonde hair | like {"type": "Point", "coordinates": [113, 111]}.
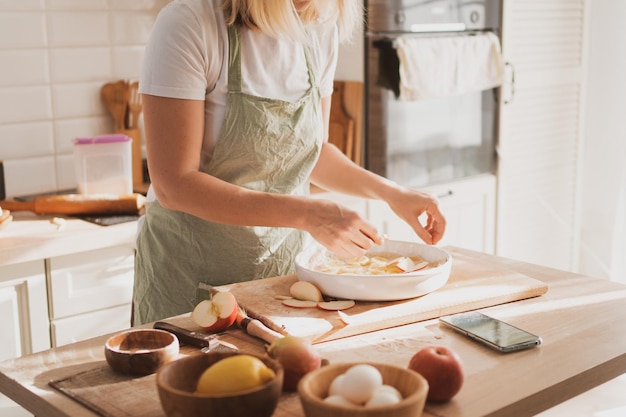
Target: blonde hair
{"type": "Point", "coordinates": [281, 19]}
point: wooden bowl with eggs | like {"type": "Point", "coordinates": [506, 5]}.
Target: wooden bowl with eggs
{"type": "Point", "coordinates": [356, 398]}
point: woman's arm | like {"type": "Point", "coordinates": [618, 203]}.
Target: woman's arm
{"type": "Point", "coordinates": [336, 172]}
{"type": "Point", "coordinates": [174, 131]}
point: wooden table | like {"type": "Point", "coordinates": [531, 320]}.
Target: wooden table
{"type": "Point", "coordinates": [582, 321]}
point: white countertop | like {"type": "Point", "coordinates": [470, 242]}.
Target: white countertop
{"type": "Point", "coordinates": [31, 237]}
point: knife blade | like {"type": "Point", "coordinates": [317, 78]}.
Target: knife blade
{"type": "Point", "coordinates": [206, 342]}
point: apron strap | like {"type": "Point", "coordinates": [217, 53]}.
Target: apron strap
{"type": "Point", "coordinates": [234, 60]}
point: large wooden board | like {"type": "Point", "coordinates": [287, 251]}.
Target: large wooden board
{"type": "Point", "coordinates": [473, 284]}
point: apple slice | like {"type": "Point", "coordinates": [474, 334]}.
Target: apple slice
{"type": "Point", "coordinates": [217, 313]}
{"type": "Point", "coordinates": [304, 290]}
{"type": "Point", "coordinates": [336, 305]}
{"type": "Point", "coordinates": [406, 264]}
{"type": "Point", "coordinates": [294, 302]}
{"type": "Point", "coordinates": [282, 297]}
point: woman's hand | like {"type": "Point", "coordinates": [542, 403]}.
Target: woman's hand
{"type": "Point", "coordinates": [341, 230]}
{"type": "Point", "coordinates": [410, 205]}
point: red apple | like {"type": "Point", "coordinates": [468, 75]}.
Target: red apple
{"type": "Point", "coordinates": [443, 370]}
{"type": "Point", "coordinates": [297, 356]}
{"type": "Point", "coordinates": [216, 314]}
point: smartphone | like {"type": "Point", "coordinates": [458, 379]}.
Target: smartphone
{"type": "Point", "coordinates": [490, 331]}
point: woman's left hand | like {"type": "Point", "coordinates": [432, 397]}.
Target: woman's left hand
{"type": "Point", "coordinates": [410, 205]}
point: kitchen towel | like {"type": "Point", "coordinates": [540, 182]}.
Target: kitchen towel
{"type": "Point", "coordinates": [448, 65]}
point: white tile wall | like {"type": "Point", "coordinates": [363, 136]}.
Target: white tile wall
{"type": "Point", "coordinates": [54, 57]}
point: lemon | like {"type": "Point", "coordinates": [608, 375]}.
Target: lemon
{"type": "Point", "coordinates": [234, 374]}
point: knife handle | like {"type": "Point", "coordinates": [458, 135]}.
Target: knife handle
{"type": "Point", "coordinates": [185, 336]}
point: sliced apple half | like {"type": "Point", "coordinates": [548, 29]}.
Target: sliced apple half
{"type": "Point", "coordinates": [217, 313]}
{"type": "Point", "coordinates": [306, 291]}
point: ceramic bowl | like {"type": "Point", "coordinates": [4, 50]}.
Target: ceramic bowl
{"type": "Point", "coordinates": [176, 383]}
{"type": "Point", "coordinates": [140, 351]}
{"type": "Point", "coordinates": [313, 388]}
{"type": "Point", "coordinates": [388, 287]}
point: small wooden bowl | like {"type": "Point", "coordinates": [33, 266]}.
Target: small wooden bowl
{"type": "Point", "coordinates": [176, 383]}
{"type": "Point", "coordinates": [140, 351]}
{"type": "Point", "coordinates": [313, 388]}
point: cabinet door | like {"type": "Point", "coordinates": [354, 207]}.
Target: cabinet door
{"type": "Point", "coordinates": [24, 310]}
{"type": "Point", "coordinates": [88, 325]}
{"type": "Point", "coordinates": [469, 208]}
{"type": "Point", "coordinates": [541, 119]}
{"type": "Point", "coordinates": [89, 281]}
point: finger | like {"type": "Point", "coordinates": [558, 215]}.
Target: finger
{"type": "Point", "coordinates": [350, 250]}
{"type": "Point", "coordinates": [437, 231]}
{"type": "Point", "coordinates": [372, 234]}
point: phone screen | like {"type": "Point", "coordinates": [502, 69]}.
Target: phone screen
{"type": "Point", "coordinates": [491, 331]}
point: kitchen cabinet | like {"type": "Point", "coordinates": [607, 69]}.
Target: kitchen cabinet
{"type": "Point", "coordinates": [90, 293]}
{"type": "Point", "coordinates": [24, 310]}
{"type": "Point", "coordinates": [469, 207]}
{"type": "Point", "coordinates": [541, 117]}
{"type": "Point", "coordinates": [63, 284]}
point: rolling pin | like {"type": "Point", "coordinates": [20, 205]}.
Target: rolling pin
{"type": "Point", "coordinates": [79, 204]}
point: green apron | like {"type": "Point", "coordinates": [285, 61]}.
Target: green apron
{"type": "Point", "coordinates": [266, 145]}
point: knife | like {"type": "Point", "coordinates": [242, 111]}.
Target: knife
{"type": "Point", "coordinates": [206, 342]}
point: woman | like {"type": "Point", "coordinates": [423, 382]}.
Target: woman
{"type": "Point", "coordinates": [236, 97]}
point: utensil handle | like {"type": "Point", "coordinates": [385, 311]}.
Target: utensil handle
{"type": "Point", "coordinates": [257, 329]}
{"type": "Point", "coordinates": [185, 336]}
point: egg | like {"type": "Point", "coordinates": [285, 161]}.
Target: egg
{"type": "Point", "coordinates": [380, 398]}
{"type": "Point", "coordinates": [388, 389]}
{"type": "Point", "coordinates": [335, 386]}
{"type": "Point", "coordinates": [338, 400]}
{"type": "Point", "coordinates": [360, 382]}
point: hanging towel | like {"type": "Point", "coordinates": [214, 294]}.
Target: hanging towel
{"type": "Point", "coordinates": [448, 65]}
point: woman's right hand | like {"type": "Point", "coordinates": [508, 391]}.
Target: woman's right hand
{"type": "Point", "coordinates": [340, 229]}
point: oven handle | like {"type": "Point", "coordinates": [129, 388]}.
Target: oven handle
{"type": "Point", "coordinates": [511, 82]}
{"type": "Point", "coordinates": [438, 27]}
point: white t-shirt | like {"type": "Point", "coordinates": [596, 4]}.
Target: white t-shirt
{"type": "Point", "coordinates": [187, 58]}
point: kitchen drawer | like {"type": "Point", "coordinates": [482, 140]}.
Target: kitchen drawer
{"type": "Point", "coordinates": [88, 325]}
{"type": "Point", "coordinates": [90, 281]}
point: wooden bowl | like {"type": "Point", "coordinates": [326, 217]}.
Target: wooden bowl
{"type": "Point", "coordinates": [140, 351]}
{"type": "Point", "coordinates": [313, 388]}
{"type": "Point", "coordinates": [176, 383]}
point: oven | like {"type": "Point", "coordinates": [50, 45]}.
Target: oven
{"type": "Point", "coordinates": [446, 128]}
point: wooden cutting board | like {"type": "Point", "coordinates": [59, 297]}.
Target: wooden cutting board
{"type": "Point", "coordinates": [473, 284]}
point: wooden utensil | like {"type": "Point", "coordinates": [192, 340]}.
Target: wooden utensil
{"type": "Point", "coordinates": [116, 96]}
{"type": "Point", "coordinates": [134, 105]}
{"type": "Point", "coordinates": [79, 204]}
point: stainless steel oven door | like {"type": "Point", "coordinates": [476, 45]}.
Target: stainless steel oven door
{"type": "Point", "coordinates": [429, 141]}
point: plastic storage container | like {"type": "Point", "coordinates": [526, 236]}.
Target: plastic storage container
{"type": "Point", "coordinates": [104, 164]}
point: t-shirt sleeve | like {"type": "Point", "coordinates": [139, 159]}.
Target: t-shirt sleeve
{"type": "Point", "coordinates": [331, 43]}
{"type": "Point", "coordinates": [175, 62]}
